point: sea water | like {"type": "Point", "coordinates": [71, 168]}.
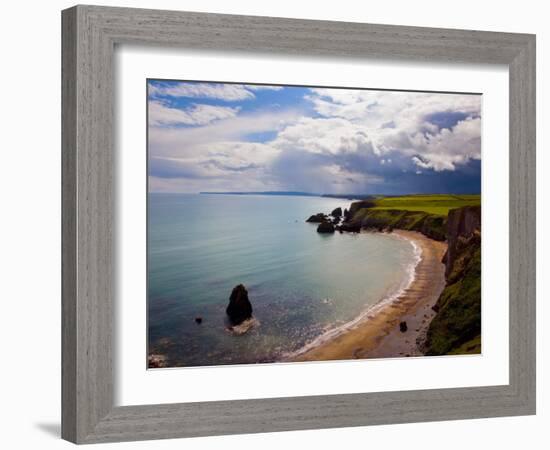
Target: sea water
{"type": "Point", "coordinates": [303, 286]}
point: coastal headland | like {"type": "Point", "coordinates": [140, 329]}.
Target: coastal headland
{"type": "Point", "coordinates": [440, 311]}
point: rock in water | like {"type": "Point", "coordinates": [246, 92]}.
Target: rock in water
{"type": "Point", "coordinates": [325, 227]}
{"type": "Point", "coordinates": [317, 218]}
{"type": "Point", "coordinates": [239, 308]}
{"type": "Point", "coordinates": [336, 212]}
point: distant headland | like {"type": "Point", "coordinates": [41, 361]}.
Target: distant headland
{"type": "Point", "coordinates": [286, 193]}
{"type": "Point", "coordinates": [292, 194]}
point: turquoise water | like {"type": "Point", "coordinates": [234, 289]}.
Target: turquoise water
{"type": "Point", "coordinates": [302, 285]}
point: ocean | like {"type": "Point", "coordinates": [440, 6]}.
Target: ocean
{"type": "Point", "coordinates": [304, 287]}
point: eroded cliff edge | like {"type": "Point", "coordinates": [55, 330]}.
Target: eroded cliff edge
{"type": "Point", "coordinates": [456, 328]}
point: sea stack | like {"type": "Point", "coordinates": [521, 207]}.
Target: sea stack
{"type": "Point", "coordinates": [239, 308]}
{"type": "Point", "coordinates": [336, 212]}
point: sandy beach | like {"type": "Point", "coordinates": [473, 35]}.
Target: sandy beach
{"type": "Point", "coordinates": [379, 335]}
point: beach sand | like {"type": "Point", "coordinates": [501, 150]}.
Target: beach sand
{"type": "Point", "coordinates": [379, 335]}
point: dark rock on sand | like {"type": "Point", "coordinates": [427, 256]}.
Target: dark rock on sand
{"type": "Point", "coordinates": [403, 327]}
{"type": "Point", "coordinates": [239, 308]}
{"type": "Point", "coordinates": [325, 227]}
{"type": "Point", "coordinates": [337, 212]}
{"type": "Point", "coordinates": [317, 218]}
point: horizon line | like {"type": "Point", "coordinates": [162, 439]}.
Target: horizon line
{"type": "Point", "coordinates": [312, 194]}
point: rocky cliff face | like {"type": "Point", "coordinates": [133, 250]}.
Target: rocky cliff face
{"type": "Point", "coordinates": [361, 216]}
{"type": "Point", "coordinates": [456, 328]}
{"type": "Point", "coordinates": [356, 206]}
{"type": "Point", "coordinates": [463, 227]}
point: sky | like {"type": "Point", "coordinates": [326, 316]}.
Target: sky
{"type": "Point", "coordinates": [206, 136]}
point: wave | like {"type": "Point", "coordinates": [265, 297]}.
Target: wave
{"type": "Point", "coordinates": [370, 310]}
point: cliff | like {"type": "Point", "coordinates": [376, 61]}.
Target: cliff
{"type": "Point", "coordinates": [363, 217]}
{"type": "Point", "coordinates": [456, 328]}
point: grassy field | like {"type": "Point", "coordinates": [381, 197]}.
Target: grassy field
{"type": "Point", "coordinates": [438, 204]}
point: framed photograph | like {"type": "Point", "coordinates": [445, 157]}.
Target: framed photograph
{"type": "Point", "coordinates": [277, 224]}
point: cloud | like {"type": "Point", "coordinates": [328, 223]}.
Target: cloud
{"type": "Point", "coordinates": [319, 172]}
{"type": "Point", "coordinates": [330, 141]}
{"type": "Point", "coordinates": [219, 91]}
{"type": "Point", "coordinates": [450, 147]}
{"type": "Point", "coordinates": [444, 128]}
{"type": "Point", "coordinates": [176, 168]}
{"type": "Point", "coordinates": [197, 141]}
{"type": "Point", "coordinates": [324, 135]}
{"type": "Point", "coordinates": [227, 92]}
{"type": "Point", "coordinates": [160, 114]}
{"type": "Point", "coordinates": [239, 156]}
{"type": "Point", "coordinates": [225, 166]}
{"type": "Point", "coordinates": [215, 156]}
{"type": "Point", "coordinates": [263, 87]}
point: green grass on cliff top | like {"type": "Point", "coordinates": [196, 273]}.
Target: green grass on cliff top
{"type": "Point", "coordinates": [438, 204]}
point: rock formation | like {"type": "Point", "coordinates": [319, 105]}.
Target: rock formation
{"type": "Point", "coordinates": [350, 227]}
{"type": "Point", "coordinates": [325, 227]}
{"type": "Point", "coordinates": [239, 308]}
{"type": "Point", "coordinates": [337, 212]}
{"type": "Point", "coordinates": [463, 227]}
{"type": "Point", "coordinates": [317, 218]}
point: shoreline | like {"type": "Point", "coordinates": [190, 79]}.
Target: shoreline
{"type": "Point", "coordinates": [378, 335]}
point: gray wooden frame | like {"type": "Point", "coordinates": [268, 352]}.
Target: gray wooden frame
{"type": "Point", "coordinates": [89, 37]}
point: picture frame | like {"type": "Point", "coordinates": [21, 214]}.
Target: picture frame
{"type": "Point", "coordinates": [90, 34]}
